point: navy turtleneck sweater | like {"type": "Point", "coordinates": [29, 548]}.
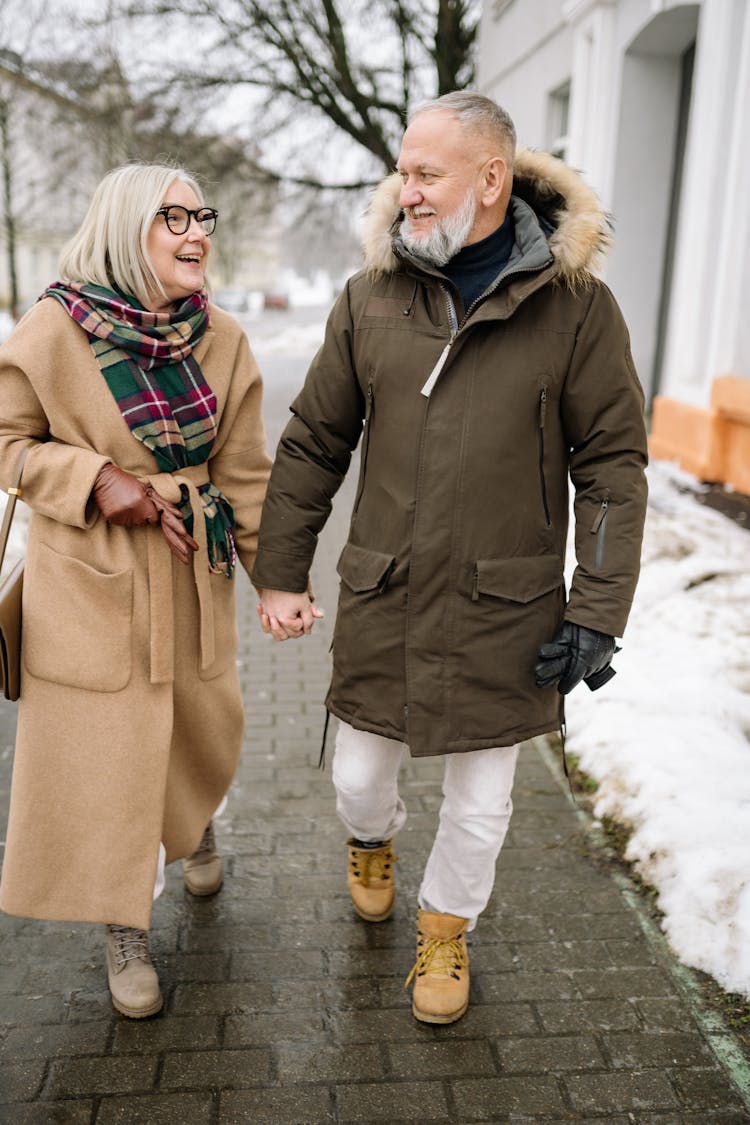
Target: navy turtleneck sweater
{"type": "Point", "coordinates": [475, 267]}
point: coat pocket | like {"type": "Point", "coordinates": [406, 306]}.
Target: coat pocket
{"type": "Point", "coordinates": [363, 570]}
{"type": "Point", "coordinates": [517, 579]}
{"type": "Point", "coordinates": [77, 622]}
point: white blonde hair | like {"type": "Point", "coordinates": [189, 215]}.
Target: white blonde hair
{"type": "Point", "coordinates": [110, 246]}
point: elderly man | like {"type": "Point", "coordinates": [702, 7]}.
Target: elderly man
{"type": "Point", "coordinates": [487, 366]}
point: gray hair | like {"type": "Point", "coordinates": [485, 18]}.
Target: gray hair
{"type": "Point", "coordinates": [110, 246]}
{"type": "Point", "coordinates": [477, 114]}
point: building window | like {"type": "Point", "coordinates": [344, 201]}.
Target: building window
{"type": "Point", "coordinates": [558, 114]}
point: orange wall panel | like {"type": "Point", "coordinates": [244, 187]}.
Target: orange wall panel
{"type": "Point", "coordinates": [714, 443]}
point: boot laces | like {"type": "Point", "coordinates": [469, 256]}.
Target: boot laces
{"type": "Point", "coordinates": [439, 957]}
{"type": "Point", "coordinates": [130, 944]}
{"type": "Point", "coordinates": [207, 843]}
{"type": "Point", "coordinates": [372, 866]}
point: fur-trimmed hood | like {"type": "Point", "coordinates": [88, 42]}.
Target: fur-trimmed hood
{"type": "Point", "coordinates": [578, 230]}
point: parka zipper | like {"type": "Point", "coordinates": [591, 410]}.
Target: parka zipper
{"type": "Point", "coordinates": [365, 446]}
{"type": "Point", "coordinates": [598, 528]}
{"type": "Point", "coordinates": [496, 285]}
{"type": "Point", "coordinates": [453, 323]}
{"type": "Point", "coordinates": [542, 478]}
{"type": "Point", "coordinates": [456, 326]}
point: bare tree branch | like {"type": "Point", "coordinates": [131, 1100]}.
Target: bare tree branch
{"type": "Point", "coordinates": [355, 65]}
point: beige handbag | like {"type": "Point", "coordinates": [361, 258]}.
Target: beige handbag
{"type": "Point", "coordinates": [11, 589]}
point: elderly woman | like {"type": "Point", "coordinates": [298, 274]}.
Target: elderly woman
{"type": "Point", "coordinates": [138, 405]}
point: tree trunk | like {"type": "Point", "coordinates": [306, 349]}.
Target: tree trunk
{"type": "Point", "coordinates": [9, 222]}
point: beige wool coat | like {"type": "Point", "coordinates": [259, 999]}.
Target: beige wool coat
{"type": "Point", "coordinates": [130, 720]}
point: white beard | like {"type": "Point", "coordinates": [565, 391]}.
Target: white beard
{"type": "Point", "coordinates": [447, 235]}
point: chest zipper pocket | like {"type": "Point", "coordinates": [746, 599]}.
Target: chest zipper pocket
{"type": "Point", "coordinates": [542, 478]}
{"type": "Point", "coordinates": [599, 529]}
{"type": "Point", "coordinates": [365, 446]}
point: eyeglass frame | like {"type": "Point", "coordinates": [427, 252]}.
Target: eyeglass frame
{"type": "Point", "coordinates": [213, 214]}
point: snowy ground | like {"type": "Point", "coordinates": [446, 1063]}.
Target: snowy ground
{"type": "Point", "coordinates": [668, 739]}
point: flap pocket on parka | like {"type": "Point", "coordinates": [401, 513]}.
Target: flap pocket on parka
{"type": "Point", "coordinates": [363, 569]}
{"type": "Point", "coordinates": [77, 622]}
{"type": "Point", "coordinates": [518, 579]}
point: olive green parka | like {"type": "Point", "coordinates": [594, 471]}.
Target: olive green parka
{"type": "Point", "coordinates": [474, 422]}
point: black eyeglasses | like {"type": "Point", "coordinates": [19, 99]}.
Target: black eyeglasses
{"type": "Point", "coordinates": [178, 218]}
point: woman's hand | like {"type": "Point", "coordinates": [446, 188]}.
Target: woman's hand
{"type": "Point", "coordinates": [122, 499]}
{"type": "Point", "coordinates": [179, 541]}
{"type": "Point", "coordinates": [127, 502]}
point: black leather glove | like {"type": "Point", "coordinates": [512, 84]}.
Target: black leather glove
{"type": "Point", "coordinates": [575, 654]}
{"type": "Point", "coordinates": [122, 499]}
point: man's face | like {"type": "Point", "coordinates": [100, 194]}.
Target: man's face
{"type": "Point", "coordinates": [439, 192]}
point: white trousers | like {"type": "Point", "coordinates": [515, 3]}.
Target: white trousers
{"type": "Point", "coordinates": [474, 814]}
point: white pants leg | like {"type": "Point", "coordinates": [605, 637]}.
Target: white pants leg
{"type": "Point", "coordinates": [365, 775]}
{"type": "Point", "coordinates": [474, 815]}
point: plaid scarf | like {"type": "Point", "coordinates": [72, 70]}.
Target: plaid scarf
{"type": "Point", "coordinates": [146, 359]}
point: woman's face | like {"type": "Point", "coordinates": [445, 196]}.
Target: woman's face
{"type": "Point", "coordinates": [179, 260]}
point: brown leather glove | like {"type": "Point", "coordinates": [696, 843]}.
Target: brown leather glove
{"type": "Point", "coordinates": [122, 499]}
{"type": "Point", "coordinates": [179, 541]}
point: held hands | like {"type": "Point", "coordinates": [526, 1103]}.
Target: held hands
{"type": "Point", "coordinates": [576, 653]}
{"type": "Point", "coordinates": [125, 501]}
{"type": "Point", "coordinates": [285, 615]}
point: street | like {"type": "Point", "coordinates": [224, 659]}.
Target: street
{"type": "Point", "coordinates": [282, 1006]}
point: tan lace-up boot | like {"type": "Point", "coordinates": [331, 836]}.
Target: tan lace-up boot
{"type": "Point", "coordinates": [372, 879]}
{"type": "Point", "coordinates": [132, 978]}
{"type": "Point", "coordinates": [202, 870]}
{"type": "Point", "coordinates": [441, 971]}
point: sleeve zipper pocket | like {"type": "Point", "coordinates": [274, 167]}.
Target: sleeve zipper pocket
{"type": "Point", "coordinates": [598, 528]}
{"type": "Point", "coordinates": [543, 481]}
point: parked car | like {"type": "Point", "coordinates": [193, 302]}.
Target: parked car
{"type": "Point", "coordinates": [275, 301]}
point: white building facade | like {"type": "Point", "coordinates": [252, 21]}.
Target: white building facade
{"type": "Point", "coordinates": [650, 100]}
{"type": "Point", "coordinates": [56, 145]}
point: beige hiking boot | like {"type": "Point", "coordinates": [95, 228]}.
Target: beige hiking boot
{"type": "Point", "coordinates": [372, 879]}
{"type": "Point", "coordinates": [441, 971]}
{"type": "Point", "coordinates": [132, 978]}
{"type": "Point", "coordinates": [202, 869]}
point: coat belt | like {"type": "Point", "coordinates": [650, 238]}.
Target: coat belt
{"type": "Point", "coordinates": [160, 575]}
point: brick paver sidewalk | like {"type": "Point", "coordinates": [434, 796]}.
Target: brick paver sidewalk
{"type": "Point", "coordinates": [282, 1006]}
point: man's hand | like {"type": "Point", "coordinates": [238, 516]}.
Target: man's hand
{"type": "Point", "coordinates": [285, 615]}
{"type": "Point", "coordinates": [575, 654]}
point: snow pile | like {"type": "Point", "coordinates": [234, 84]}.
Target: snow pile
{"type": "Point", "coordinates": [668, 739]}
{"type": "Point", "coordinates": [7, 324]}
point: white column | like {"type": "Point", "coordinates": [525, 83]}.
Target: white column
{"type": "Point", "coordinates": [727, 354]}
{"type": "Point", "coordinates": [594, 92]}
{"type": "Point", "coordinates": [712, 238]}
